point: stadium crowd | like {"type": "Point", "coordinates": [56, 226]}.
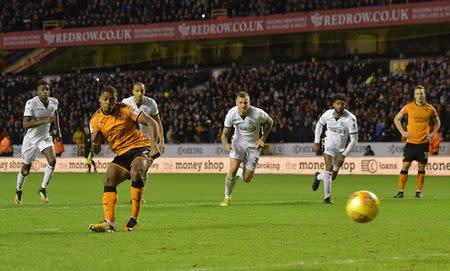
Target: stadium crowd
{"type": "Point", "coordinates": [193, 103]}
{"type": "Point", "coordinates": [20, 15]}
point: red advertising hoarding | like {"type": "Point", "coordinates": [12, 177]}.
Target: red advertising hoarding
{"type": "Point", "coordinates": [419, 13]}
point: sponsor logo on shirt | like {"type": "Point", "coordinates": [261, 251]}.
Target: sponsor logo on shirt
{"type": "Point", "coordinates": [336, 130]}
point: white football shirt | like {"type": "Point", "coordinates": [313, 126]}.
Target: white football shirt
{"type": "Point", "coordinates": [35, 109]}
{"type": "Point", "coordinates": [247, 128]}
{"type": "Point", "coordinates": [149, 106]}
{"type": "Point", "coordinates": [339, 129]}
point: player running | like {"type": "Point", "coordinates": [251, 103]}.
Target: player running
{"type": "Point", "coordinates": [149, 106]}
{"type": "Point", "coordinates": [246, 144]}
{"type": "Point", "coordinates": [135, 153]}
{"type": "Point", "coordinates": [417, 137]}
{"type": "Point", "coordinates": [341, 126]}
{"type": "Point", "coordinates": [39, 113]}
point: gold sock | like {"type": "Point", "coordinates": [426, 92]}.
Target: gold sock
{"type": "Point", "coordinates": [402, 181]}
{"type": "Point", "coordinates": [136, 199]}
{"type": "Point", "coordinates": [109, 205]}
{"type": "Point", "coordinates": [420, 181]}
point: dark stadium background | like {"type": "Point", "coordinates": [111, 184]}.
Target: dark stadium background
{"type": "Point", "coordinates": [291, 76]}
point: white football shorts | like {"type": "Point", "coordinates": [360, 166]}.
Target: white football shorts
{"type": "Point", "coordinates": [332, 151]}
{"type": "Point", "coordinates": [30, 149]}
{"type": "Point", "coordinates": [248, 155]}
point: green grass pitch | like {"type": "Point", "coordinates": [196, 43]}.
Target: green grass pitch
{"type": "Point", "coordinates": [276, 222]}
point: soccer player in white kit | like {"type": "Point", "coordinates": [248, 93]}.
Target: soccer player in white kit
{"type": "Point", "coordinates": [40, 112]}
{"type": "Point", "coordinates": [150, 107]}
{"type": "Point", "coordinates": [341, 126]}
{"type": "Point", "coordinates": [246, 144]}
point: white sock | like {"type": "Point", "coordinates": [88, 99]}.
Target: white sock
{"type": "Point", "coordinates": [229, 184]}
{"type": "Point", "coordinates": [20, 181]}
{"type": "Point", "coordinates": [327, 184]}
{"type": "Point", "coordinates": [110, 222]}
{"type": "Point", "coordinates": [240, 173]}
{"type": "Point", "coordinates": [47, 175]}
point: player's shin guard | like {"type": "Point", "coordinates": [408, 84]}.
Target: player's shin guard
{"type": "Point", "coordinates": [420, 180]}
{"type": "Point", "coordinates": [402, 179]}
{"type": "Point", "coordinates": [137, 193]}
{"type": "Point", "coordinates": [327, 184]}
{"type": "Point", "coordinates": [109, 203]}
{"type": "Point", "coordinates": [20, 181]}
{"type": "Point", "coordinates": [47, 175]}
{"type": "Point", "coordinates": [229, 185]}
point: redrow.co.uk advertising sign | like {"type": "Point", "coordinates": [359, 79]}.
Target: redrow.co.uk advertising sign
{"type": "Point", "coordinates": [418, 13]}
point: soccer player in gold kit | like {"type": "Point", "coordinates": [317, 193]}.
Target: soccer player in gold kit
{"type": "Point", "coordinates": [116, 122]}
{"type": "Point", "coordinates": [417, 137]}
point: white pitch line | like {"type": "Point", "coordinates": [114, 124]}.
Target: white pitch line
{"type": "Point", "coordinates": [183, 204]}
{"type": "Point", "coordinates": [48, 229]}
{"type": "Point", "coordinates": [303, 263]}
{"type": "Point", "coordinates": [150, 204]}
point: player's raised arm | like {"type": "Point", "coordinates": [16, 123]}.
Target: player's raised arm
{"type": "Point", "coordinates": [267, 128]}
{"type": "Point", "coordinates": [398, 123]}
{"type": "Point", "coordinates": [153, 131]}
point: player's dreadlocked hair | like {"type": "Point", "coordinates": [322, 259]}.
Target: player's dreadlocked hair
{"type": "Point", "coordinates": [109, 89]}
{"type": "Point", "coordinates": [339, 97]}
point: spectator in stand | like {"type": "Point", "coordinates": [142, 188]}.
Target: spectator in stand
{"type": "Point", "coordinates": [59, 147]}
{"type": "Point", "coordinates": [294, 93]}
{"type": "Point", "coordinates": [5, 146]}
{"type": "Point", "coordinates": [20, 15]}
{"type": "Point", "coordinates": [434, 144]}
{"type": "Point", "coordinates": [78, 138]}
{"type": "Point", "coordinates": [369, 151]}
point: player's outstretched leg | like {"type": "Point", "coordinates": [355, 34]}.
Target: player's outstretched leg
{"type": "Point", "coordinates": [109, 208]}
{"type": "Point", "coordinates": [316, 181]}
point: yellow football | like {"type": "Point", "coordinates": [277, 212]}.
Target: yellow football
{"type": "Point", "coordinates": [363, 206]}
